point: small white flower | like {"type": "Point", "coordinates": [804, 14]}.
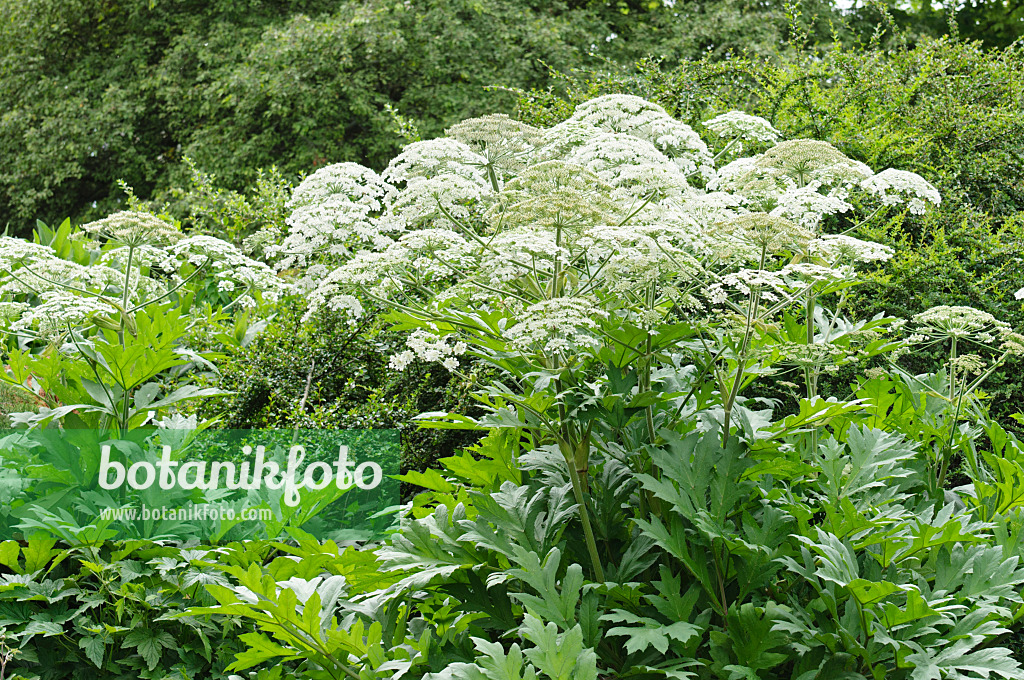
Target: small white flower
{"type": "Point", "coordinates": [401, 361]}
{"type": "Point", "coordinates": [557, 325]}
{"type": "Point", "coordinates": [837, 247]}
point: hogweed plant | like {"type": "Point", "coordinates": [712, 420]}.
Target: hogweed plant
{"type": "Point", "coordinates": [96, 314]}
{"type": "Point", "coordinates": [594, 249]}
{"type": "Point", "coordinates": [976, 344]}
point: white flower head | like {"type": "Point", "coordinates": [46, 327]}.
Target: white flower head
{"type": "Point", "coordinates": [559, 141]}
{"type": "Point", "coordinates": [226, 262]}
{"type": "Point", "coordinates": [429, 202]}
{"type": "Point", "coordinates": [632, 258]}
{"type": "Point", "coordinates": [14, 251]}
{"type": "Point", "coordinates": [769, 232]}
{"type": "Point", "coordinates": [58, 311]}
{"type": "Point", "coordinates": [742, 127]}
{"type": "Point", "coordinates": [900, 186]}
{"type": "Point", "coordinates": [442, 156]}
{"type": "Point", "coordinates": [133, 228]}
{"type": "Point", "coordinates": [624, 161]}
{"type": "Point", "coordinates": [557, 326]}
{"type": "Point", "coordinates": [431, 348]}
{"type": "Point", "coordinates": [643, 119]}
{"type": "Point", "coordinates": [330, 226]}
{"type": "Point", "coordinates": [504, 142]}
{"type": "Point", "coordinates": [352, 181]}
{"type": "Point", "coordinates": [807, 206]}
{"type": "Point", "coordinates": [436, 253]}
{"type": "Point", "coordinates": [556, 195]}
{"type": "Point", "coordinates": [518, 252]}
{"type": "Point", "coordinates": [835, 248]}
{"type": "Point", "coordinates": [807, 160]}
{"type": "Point", "coordinates": [958, 322]}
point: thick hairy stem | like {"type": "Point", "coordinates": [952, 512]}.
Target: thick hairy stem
{"type": "Point", "coordinates": [809, 336]}
{"type": "Point", "coordinates": [123, 424]}
{"type": "Point", "coordinates": [569, 452]}
{"type": "Point", "coordinates": [947, 449]}
{"type": "Point", "coordinates": [124, 293]}
{"type": "Point", "coordinates": [493, 177]}
{"type": "Point", "coordinates": [588, 531]}
{"type": "Point", "coordinates": [649, 409]}
{"type": "Point", "coordinates": [568, 448]}
{"type": "Point", "coordinates": [733, 393]}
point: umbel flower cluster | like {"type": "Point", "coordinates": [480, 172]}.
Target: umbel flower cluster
{"type": "Point", "coordinates": [620, 214]}
{"type": "Point", "coordinates": [128, 260]}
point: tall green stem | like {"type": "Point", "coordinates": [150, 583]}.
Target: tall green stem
{"type": "Point", "coordinates": [588, 531]}
{"type": "Point", "coordinates": [567, 445]}
{"type": "Point", "coordinates": [811, 371]}
{"type": "Point", "coordinates": [947, 449]}
{"type": "Point", "coordinates": [123, 425]}
{"type": "Point", "coordinates": [648, 364]}
{"type": "Point", "coordinates": [741, 360]}
{"type": "Point", "coordinates": [493, 177]}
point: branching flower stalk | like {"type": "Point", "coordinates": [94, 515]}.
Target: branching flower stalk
{"type": "Point", "coordinates": [960, 326]}
{"type": "Point", "coordinates": [570, 448]}
{"type": "Point", "coordinates": [729, 397]}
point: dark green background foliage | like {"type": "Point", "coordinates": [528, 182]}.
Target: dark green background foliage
{"type": "Point", "coordinates": [95, 91]}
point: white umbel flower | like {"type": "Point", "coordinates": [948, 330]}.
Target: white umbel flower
{"type": "Point", "coordinates": [771, 233]}
{"type": "Point", "coordinates": [557, 326]}
{"type": "Point", "coordinates": [424, 202]}
{"type": "Point", "coordinates": [355, 182]}
{"type": "Point", "coordinates": [430, 348]}
{"type": "Point", "coordinates": [435, 157]}
{"type": "Point", "coordinates": [809, 160]}
{"type": "Point", "coordinates": [900, 186]}
{"type": "Point", "coordinates": [806, 205]}
{"type": "Point", "coordinates": [630, 259]}
{"type": "Point", "coordinates": [643, 119]}
{"type": "Point", "coordinates": [519, 252]}
{"type": "Point", "coordinates": [507, 144]}
{"type": "Point", "coordinates": [58, 311]}
{"type": "Point", "coordinates": [624, 161]}
{"type": "Point", "coordinates": [959, 322]}
{"type": "Point", "coordinates": [227, 262]}
{"type": "Point", "coordinates": [835, 248]}
{"type": "Point", "coordinates": [133, 228]}
{"type": "Point", "coordinates": [743, 126]}
{"type": "Point", "coordinates": [329, 226]}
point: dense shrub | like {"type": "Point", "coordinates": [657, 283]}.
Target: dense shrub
{"type": "Point", "coordinates": [333, 375]}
